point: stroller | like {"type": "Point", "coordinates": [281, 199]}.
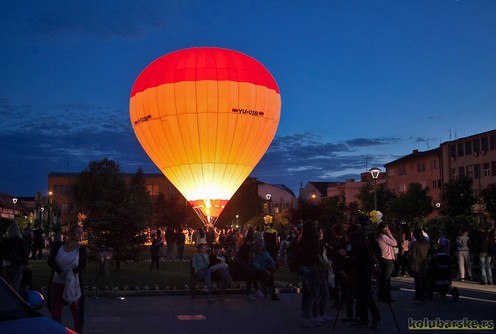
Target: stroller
{"type": "Point", "coordinates": [439, 277]}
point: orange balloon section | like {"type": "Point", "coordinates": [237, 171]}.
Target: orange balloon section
{"type": "Point", "coordinates": [205, 116]}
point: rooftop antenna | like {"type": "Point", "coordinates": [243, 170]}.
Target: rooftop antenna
{"type": "Point", "coordinates": [449, 131]}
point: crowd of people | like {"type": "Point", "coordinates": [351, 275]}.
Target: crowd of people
{"type": "Point", "coordinates": [335, 262]}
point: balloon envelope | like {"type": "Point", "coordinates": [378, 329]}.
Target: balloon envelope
{"type": "Point", "coordinates": [205, 116]}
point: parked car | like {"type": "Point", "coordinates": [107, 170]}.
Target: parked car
{"type": "Point", "coordinates": [19, 316]}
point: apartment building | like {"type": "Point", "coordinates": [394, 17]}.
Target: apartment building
{"type": "Point", "coordinates": [417, 167]}
{"type": "Point", "coordinates": [473, 156]}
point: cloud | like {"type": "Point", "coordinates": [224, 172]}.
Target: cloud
{"type": "Point", "coordinates": [298, 158]}
{"type": "Point", "coordinates": [98, 19]}
{"type": "Point", "coordinates": [61, 120]}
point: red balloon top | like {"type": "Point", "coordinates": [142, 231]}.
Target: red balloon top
{"type": "Point", "coordinates": [203, 64]}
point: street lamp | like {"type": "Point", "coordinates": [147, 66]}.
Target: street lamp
{"type": "Point", "coordinates": [14, 200]}
{"type": "Point", "coordinates": [268, 197]}
{"type": "Point", "coordinates": [374, 172]}
{"type": "Point", "coordinates": [49, 209]}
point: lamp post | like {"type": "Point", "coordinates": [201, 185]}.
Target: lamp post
{"type": "Point", "coordinates": [374, 172]}
{"type": "Point", "coordinates": [14, 201]}
{"type": "Point", "coordinates": [268, 197]}
{"type": "Point", "coordinates": [49, 210]}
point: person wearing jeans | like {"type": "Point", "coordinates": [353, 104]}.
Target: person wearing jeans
{"type": "Point", "coordinates": [485, 239]}
{"type": "Point", "coordinates": [201, 263]}
{"type": "Point", "coordinates": [386, 242]}
{"type": "Point", "coordinates": [463, 250]}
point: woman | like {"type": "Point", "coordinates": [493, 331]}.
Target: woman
{"type": "Point", "coordinates": [67, 259]}
{"type": "Point", "coordinates": [14, 257]}
{"type": "Point", "coordinates": [405, 249]}
{"type": "Point", "coordinates": [307, 256]}
{"type": "Point", "coordinates": [418, 264]}
{"type": "Point", "coordinates": [386, 242]}
{"type": "Point", "coordinates": [201, 263]}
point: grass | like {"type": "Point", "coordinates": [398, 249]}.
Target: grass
{"type": "Point", "coordinates": [172, 274]}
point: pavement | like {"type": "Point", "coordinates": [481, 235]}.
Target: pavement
{"type": "Point", "coordinates": [236, 315]}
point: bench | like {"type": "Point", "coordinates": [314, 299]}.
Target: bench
{"type": "Point", "coordinates": [194, 280]}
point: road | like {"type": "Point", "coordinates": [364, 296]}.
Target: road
{"type": "Point", "coordinates": [235, 315]}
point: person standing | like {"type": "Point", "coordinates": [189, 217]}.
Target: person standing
{"type": "Point", "coordinates": [307, 258]}
{"type": "Point", "coordinates": [386, 242]}
{"type": "Point", "coordinates": [155, 254]}
{"type": "Point", "coordinates": [170, 238]}
{"type": "Point", "coordinates": [67, 260]}
{"type": "Point", "coordinates": [463, 245]}
{"type": "Point", "coordinates": [362, 268]}
{"type": "Point", "coordinates": [14, 256]}
{"type": "Point", "coordinates": [270, 240]}
{"type": "Point", "coordinates": [484, 238]}
{"type": "Point", "coordinates": [418, 264]}
{"type": "Point", "coordinates": [38, 243]}
{"type": "Point", "coordinates": [180, 242]}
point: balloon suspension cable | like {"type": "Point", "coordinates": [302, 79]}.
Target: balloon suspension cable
{"type": "Point", "coordinates": [206, 220]}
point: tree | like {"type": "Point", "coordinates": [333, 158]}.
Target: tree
{"type": "Point", "coordinates": [413, 204]}
{"type": "Point", "coordinates": [333, 210]}
{"type": "Point", "coordinates": [173, 211]}
{"type": "Point", "coordinates": [458, 197]}
{"type": "Point", "coordinates": [366, 197]}
{"type": "Point", "coordinates": [489, 198]}
{"type": "Point", "coordinates": [245, 203]}
{"type": "Point", "coordinates": [137, 212]}
{"type": "Point", "coordinates": [116, 214]}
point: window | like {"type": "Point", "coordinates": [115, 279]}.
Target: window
{"type": "Point", "coordinates": [460, 150]}
{"type": "Point", "coordinates": [401, 170]}
{"type": "Point", "coordinates": [152, 189]}
{"type": "Point", "coordinates": [402, 188]}
{"type": "Point", "coordinates": [487, 170]}
{"type": "Point", "coordinates": [468, 147]}
{"type": "Point", "coordinates": [470, 171]}
{"type": "Point", "coordinates": [461, 171]}
{"type": "Point", "coordinates": [493, 168]}
{"type": "Point", "coordinates": [436, 184]}
{"type": "Point", "coordinates": [452, 151]}
{"type": "Point", "coordinates": [63, 189]}
{"type": "Point", "coordinates": [453, 173]}
{"type": "Point", "coordinates": [390, 172]}
{"type": "Point", "coordinates": [421, 167]}
{"type": "Point", "coordinates": [477, 171]}
{"type": "Point", "coordinates": [476, 145]}
{"type": "Point", "coordinates": [492, 142]}
{"type": "Point", "coordinates": [484, 144]}
{"type": "Point", "coordinates": [435, 164]}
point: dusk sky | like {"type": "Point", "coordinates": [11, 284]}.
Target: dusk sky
{"type": "Point", "coordinates": [362, 82]}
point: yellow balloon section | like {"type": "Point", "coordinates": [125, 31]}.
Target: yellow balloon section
{"type": "Point", "coordinates": [205, 116]}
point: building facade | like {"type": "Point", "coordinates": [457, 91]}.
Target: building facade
{"type": "Point", "coordinates": [277, 197]}
{"type": "Point", "coordinates": [418, 167]}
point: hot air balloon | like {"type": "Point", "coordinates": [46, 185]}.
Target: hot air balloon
{"type": "Point", "coordinates": [205, 117]}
